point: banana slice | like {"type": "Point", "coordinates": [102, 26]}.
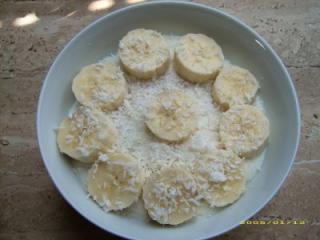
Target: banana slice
{"type": "Point", "coordinates": [115, 181]}
{"type": "Point", "coordinates": [234, 86]}
{"type": "Point", "coordinates": [144, 53]}
{"type": "Point", "coordinates": [170, 196]}
{"type": "Point", "coordinates": [220, 177]}
{"type": "Point", "coordinates": [198, 58]}
{"type": "Point", "coordinates": [100, 85]}
{"type": "Point", "coordinates": [244, 129]}
{"type": "Point", "coordinates": [85, 133]}
{"type": "Point", "coordinates": [172, 117]}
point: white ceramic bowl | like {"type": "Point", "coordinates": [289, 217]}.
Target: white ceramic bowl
{"type": "Point", "coordinates": [240, 44]}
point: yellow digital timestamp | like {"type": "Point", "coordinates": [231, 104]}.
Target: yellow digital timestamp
{"type": "Point", "coordinates": [273, 222]}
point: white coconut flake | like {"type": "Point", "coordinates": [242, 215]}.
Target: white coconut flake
{"type": "Point", "coordinates": [83, 151]}
{"type": "Point", "coordinates": [217, 176]}
{"type": "Point", "coordinates": [103, 157]}
{"type": "Point", "coordinates": [69, 139]}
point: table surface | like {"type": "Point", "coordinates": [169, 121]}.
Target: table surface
{"type": "Point", "coordinates": [31, 207]}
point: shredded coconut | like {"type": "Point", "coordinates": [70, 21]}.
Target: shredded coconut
{"type": "Point", "coordinates": [103, 157]}
{"type": "Point", "coordinates": [69, 139]}
{"type": "Point", "coordinates": [217, 176]}
{"type": "Point", "coordinates": [135, 138]}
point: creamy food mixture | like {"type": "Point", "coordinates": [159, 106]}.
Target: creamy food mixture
{"type": "Point", "coordinates": [135, 139]}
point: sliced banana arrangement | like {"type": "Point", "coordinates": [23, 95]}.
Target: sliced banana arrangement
{"type": "Point", "coordinates": [189, 142]}
{"type": "Point", "coordinates": [234, 86]}
{"type": "Point", "coordinates": [244, 129]}
{"type": "Point", "coordinates": [172, 117]}
{"type": "Point", "coordinates": [115, 181]}
{"type": "Point", "coordinates": [220, 177]}
{"type": "Point", "coordinates": [85, 133]}
{"type": "Point", "coordinates": [170, 196]}
{"type": "Point", "coordinates": [144, 53]}
{"type": "Point", "coordinates": [100, 86]}
{"type": "Point", "coordinates": [198, 58]}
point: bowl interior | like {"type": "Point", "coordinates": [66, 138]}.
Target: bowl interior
{"type": "Point", "coordinates": [240, 45]}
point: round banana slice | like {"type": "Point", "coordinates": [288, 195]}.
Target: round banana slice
{"type": "Point", "coordinates": [170, 196]}
{"type": "Point", "coordinates": [244, 129]}
{"type": "Point", "coordinates": [234, 86]}
{"type": "Point", "coordinates": [220, 177]}
{"type": "Point", "coordinates": [115, 181]}
{"type": "Point", "coordinates": [100, 85]}
{"type": "Point", "coordinates": [144, 53]}
{"type": "Point", "coordinates": [198, 58]}
{"type": "Point", "coordinates": [171, 117]}
{"type": "Point", "coordinates": [85, 133]}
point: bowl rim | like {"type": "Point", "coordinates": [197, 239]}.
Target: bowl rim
{"type": "Point", "coordinates": [201, 7]}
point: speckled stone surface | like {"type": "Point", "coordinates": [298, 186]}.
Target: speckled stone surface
{"type": "Point", "coordinates": [31, 207]}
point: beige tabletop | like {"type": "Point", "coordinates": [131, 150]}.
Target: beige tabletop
{"type": "Point", "coordinates": [31, 35]}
